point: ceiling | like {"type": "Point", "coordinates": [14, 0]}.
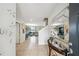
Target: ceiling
{"type": "Point", "coordinates": [34, 13]}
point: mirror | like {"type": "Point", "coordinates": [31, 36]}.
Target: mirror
{"type": "Point", "coordinates": [60, 26]}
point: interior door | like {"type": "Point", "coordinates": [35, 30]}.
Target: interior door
{"type": "Point", "coordinates": [17, 33]}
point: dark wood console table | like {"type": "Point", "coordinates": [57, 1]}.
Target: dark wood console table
{"type": "Point", "coordinates": [51, 46]}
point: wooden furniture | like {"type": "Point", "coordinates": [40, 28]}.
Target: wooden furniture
{"type": "Point", "coordinates": [51, 46]}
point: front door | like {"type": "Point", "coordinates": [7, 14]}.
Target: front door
{"type": "Point", "coordinates": [74, 28]}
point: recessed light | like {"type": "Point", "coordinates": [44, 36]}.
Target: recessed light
{"type": "Point", "coordinates": [31, 20]}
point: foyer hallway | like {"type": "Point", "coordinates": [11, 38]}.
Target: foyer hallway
{"type": "Point", "coordinates": [31, 48]}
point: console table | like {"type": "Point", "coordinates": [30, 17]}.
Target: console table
{"type": "Point", "coordinates": [51, 46]}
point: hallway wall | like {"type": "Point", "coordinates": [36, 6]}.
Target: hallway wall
{"type": "Point", "coordinates": [59, 7]}
{"type": "Point", "coordinates": [7, 29]}
{"type": "Point", "coordinates": [44, 35]}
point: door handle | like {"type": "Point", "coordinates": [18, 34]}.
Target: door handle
{"type": "Point", "coordinates": [70, 49]}
{"type": "Point", "coordinates": [70, 44]}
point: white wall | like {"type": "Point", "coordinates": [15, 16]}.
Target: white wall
{"type": "Point", "coordinates": [59, 7]}
{"type": "Point", "coordinates": [7, 29]}
{"type": "Point", "coordinates": [44, 35]}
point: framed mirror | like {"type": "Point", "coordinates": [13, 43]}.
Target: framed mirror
{"type": "Point", "coordinates": [60, 26]}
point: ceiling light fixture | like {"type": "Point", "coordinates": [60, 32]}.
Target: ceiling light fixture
{"type": "Point", "coordinates": [31, 20]}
